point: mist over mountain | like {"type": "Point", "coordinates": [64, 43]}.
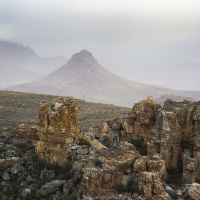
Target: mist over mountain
{"type": "Point", "coordinates": [83, 77]}
{"type": "Point", "coordinates": [19, 64]}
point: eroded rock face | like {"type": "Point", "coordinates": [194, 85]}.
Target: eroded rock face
{"type": "Point", "coordinates": [141, 118]}
{"type": "Point", "coordinates": [43, 116]}
{"type": "Point", "coordinates": [58, 130]}
{"type": "Point", "coordinates": [28, 132]}
{"type": "Point", "coordinates": [106, 168]}
{"type": "Point", "coordinates": [193, 192]}
{"type": "Point", "coordinates": [167, 140]}
{"type": "Point", "coordinates": [172, 135]}
{"type": "Point", "coordinates": [64, 117]}
{"type": "Point", "coordinates": [179, 141]}
{"type": "Point", "coordinates": [151, 176]}
{"type": "Point", "coordinates": [173, 132]}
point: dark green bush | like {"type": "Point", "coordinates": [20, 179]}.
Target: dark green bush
{"type": "Point", "coordinates": [57, 168]}
{"type": "Point", "coordinates": [120, 187]}
{"type": "Point", "coordinates": [131, 187]}
{"type": "Point", "coordinates": [67, 166]}
{"type": "Point", "coordinates": [83, 141]}
{"type": "Point", "coordinates": [140, 145]}
{"type": "Point", "coordinates": [106, 141]}
{"type": "Point", "coordinates": [72, 196]}
{"type": "Point", "coordinates": [98, 163]}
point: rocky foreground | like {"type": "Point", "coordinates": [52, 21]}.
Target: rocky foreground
{"type": "Point", "coordinates": [153, 153]}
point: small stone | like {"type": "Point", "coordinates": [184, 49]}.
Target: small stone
{"type": "Point", "coordinates": [6, 176]}
{"type": "Point", "coordinates": [193, 192]}
{"type": "Point", "coordinates": [82, 151]}
{"type": "Point", "coordinates": [57, 196]}
{"type": "Point", "coordinates": [68, 187]}
{"type": "Point", "coordinates": [16, 168]}
{"type": "Point", "coordinates": [47, 174]}
{"type": "Point", "coordinates": [26, 192]}
{"type": "Point", "coordinates": [50, 187]}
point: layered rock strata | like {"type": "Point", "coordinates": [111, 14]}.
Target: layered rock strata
{"type": "Point", "coordinates": [173, 132]}
{"type": "Point", "coordinates": [28, 132]}
{"type": "Point", "coordinates": [106, 167]}
{"type": "Point", "coordinates": [141, 118]}
{"type": "Point", "coordinates": [151, 176]}
{"type": "Point", "coordinates": [58, 129]}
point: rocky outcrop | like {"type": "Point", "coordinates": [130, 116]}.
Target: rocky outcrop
{"type": "Point", "coordinates": [172, 135]}
{"type": "Point", "coordinates": [58, 130]}
{"type": "Point", "coordinates": [141, 118]}
{"type": "Point", "coordinates": [172, 132]}
{"type": "Point", "coordinates": [63, 119]}
{"type": "Point", "coordinates": [193, 193]}
{"type": "Point", "coordinates": [177, 130]}
{"type": "Point", "coordinates": [106, 167]}
{"type": "Point", "coordinates": [151, 176]}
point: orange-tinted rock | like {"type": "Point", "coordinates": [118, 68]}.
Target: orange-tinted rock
{"type": "Point", "coordinates": [58, 130]}
{"type": "Point", "coordinates": [43, 116]}
{"type": "Point", "coordinates": [28, 132]}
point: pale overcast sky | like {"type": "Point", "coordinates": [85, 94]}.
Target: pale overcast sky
{"type": "Point", "coordinates": [150, 41]}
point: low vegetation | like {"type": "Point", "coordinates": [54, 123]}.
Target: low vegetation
{"type": "Point", "coordinates": [18, 107]}
{"type": "Point", "coordinates": [83, 141]}
{"type": "Point", "coordinates": [131, 187]}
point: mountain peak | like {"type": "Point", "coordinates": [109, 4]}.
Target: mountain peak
{"type": "Point", "coordinates": [83, 56]}
{"type": "Point", "coordinates": [85, 52]}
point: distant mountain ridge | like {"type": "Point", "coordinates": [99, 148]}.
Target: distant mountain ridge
{"type": "Point", "coordinates": [20, 64]}
{"type": "Point", "coordinates": [163, 98]}
{"type": "Point", "coordinates": [83, 77]}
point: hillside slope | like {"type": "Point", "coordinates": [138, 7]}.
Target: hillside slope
{"type": "Point", "coordinates": [17, 107]}
{"type": "Point", "coordinates": [83, 77]}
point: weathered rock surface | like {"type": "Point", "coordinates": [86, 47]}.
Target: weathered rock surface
{"type": "Point", "coordinates": [50, 187]}
{"type": "Point", "coordinates": [172, 132]}
{"type": "Point", "coordinates": [141, 118]}
{"type": "Point", "coordinates": [106, 168]}
{"type": "Point", "coordinates": [58, 130]}
{"type": "Point", "coordinates": [114, 171]}
{"type": "Point", "coordinates": [193, 192]}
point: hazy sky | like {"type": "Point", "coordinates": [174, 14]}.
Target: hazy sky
{"type": "Point", "coordinates": [151, 41]}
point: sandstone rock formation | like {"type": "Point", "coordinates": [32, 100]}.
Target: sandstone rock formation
{"type": "Point", "coordinates": [106, 168]}
{"type": "Point", "coordinates": [58, 130]}
{"type": "Point", "coordinates": [172, 135]}
{"type": "Point", "coordinates": [151, 176]}
{"type": "Point", "coordinates": [178, 140]}
{"type": "Point", "coordinates": [173, 132]}
{"type": "Point", "coordinates": [193, 192]}
{"type": "Point", "coordinates": [141, 118]}
{"type": "Point", "coordinates": [28, 132]}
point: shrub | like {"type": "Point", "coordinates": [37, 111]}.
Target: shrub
{"type": "Point", "coordinates": [131, 187]}
{"type": "Point", "coordinates": [57, 168]}
{"type": "Point", "coordinates": [140, 145]}
{"type": "Point", "coordinates": [98, 163]}
{"type": "Point", "coordinates": [83, 141]}
{"type": "Point", "coordinates": [72, 196]}
{"type": "Point", "coordinates": [106, 141]}
{"type": "Point", "coordinates": [68, 166]}
{"type": "Point", "coordinates": [120, 187]}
